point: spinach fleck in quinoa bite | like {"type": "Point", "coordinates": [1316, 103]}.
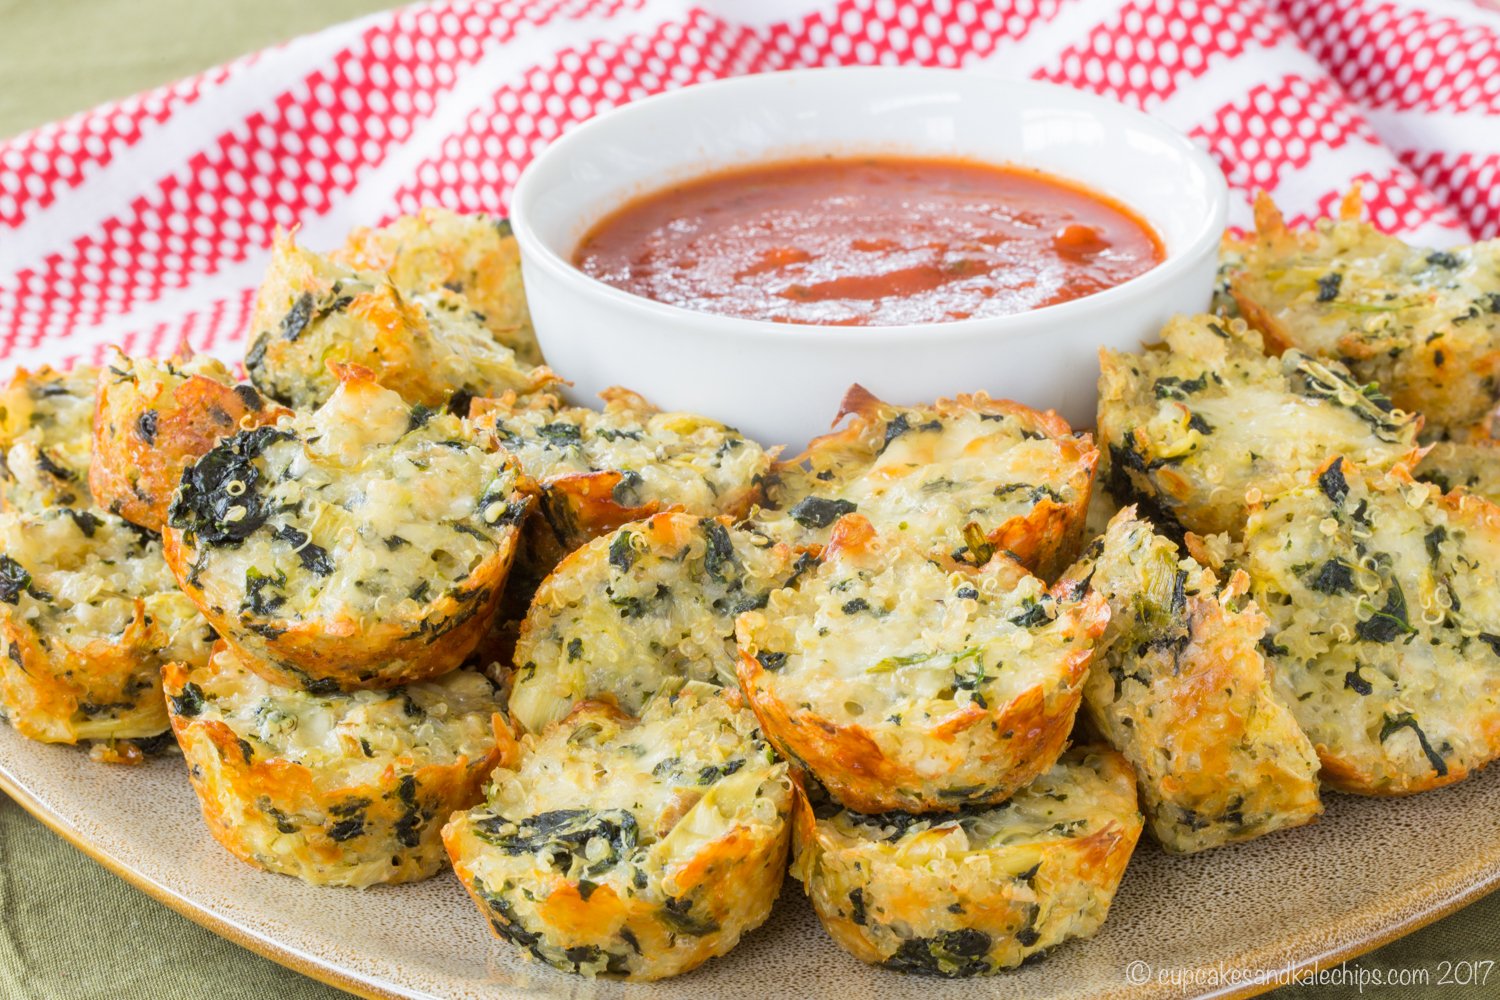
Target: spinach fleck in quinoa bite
{"type": "Point", "coordinates": [429, 346]}
{"type": "Point", "coordinates": [975, 892]}
{"type": "Point", "coordinates": [1179, 685]}
{"type": "Point", "coordinates": [632, 848]}
{"type": "Point", "coordinates": [1472, 466]}
{"type": "Point", "coordinates": [964, 477]}
{"type": "Point", "coordinates": [906, 681]}
{"type": "Point", "coordinates": [1384, 602]}
{"type": "Point", "coordinates": [45, 420]}
{"type": "Point", "coordinates": [473, 255]}
{"type": "Point", "coordinates": [334, 789]}
{"type": "Point", "coordinates": [365, 544]}
{"type": "Point", "coordinates": [599, 469]}
{"type": "Point", "coordinates": [656, 599]}
{"type": "Point", "coordinates": [1194, 427]}
{"type": "Point", "coordinates": [1423, 323]}
{"type": "Point", "coordinates": [155, 418]}
{"type": "Point", "coordinates": [88, 615]}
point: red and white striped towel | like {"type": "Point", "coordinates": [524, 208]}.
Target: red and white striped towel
{"type": "Point", "coordinates": [149, 219]}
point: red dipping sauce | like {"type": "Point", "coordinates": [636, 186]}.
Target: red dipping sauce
{"type": "Point", "coordinates": [872, 241]}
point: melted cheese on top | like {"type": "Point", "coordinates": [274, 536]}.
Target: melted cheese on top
{"type": "Point", "coordinates": [675, 459]}
{"type": "Point", "coordinates": [371, 508]}
{"type": "Point", "coordinates": [353, 737]}
{"type": "Point", "coordinates": [1422, 323]}
{"type": "Point", "coordinates": [1384, 601]}
{"type": "Point", "coordinates": [928, 472]}
{"type": "Point", "coordinates": [1196, 427]}
{"type": "Point", "coordinates": [688, 770]}
{"type": "Point", "coordinates": [883, 636]}
{"type": "Point", "coordinates": [86, 571]}
{"type": "Point", "coordinates": [474, 255]}
{"type": "Point", "coordinates": [654, 600]}
{"type": "Point", "coordinates": [45, 421]}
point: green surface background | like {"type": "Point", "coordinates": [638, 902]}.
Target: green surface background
{"type": "Point", "coordinates": [69, 930]}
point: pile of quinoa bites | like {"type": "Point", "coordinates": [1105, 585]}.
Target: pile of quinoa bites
{"type": "Point", "coordinates": [402, 607]}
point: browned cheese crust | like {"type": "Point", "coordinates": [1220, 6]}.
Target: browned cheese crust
{"type": "Point", "coordinates": [972, 893]}
{"type": "Point", "coordinates": [152, 419]}
{"type": "Point", "coordinates": [365, 544]}
{"type": "Point", "coordinates": [1197, 427]}
{"type": "Point", "coordinates": [1180, 687]}
{"type": "Point", "coordinates": [473, 255]}
{"type": "Point", "coordinates": [1422, 323]}
{"type": "Point", "coordinates": [904, 681]}
{"type": "Point", "coordinates": [339, 789]}
{"type": "Point", "coordinates": [963, 477]}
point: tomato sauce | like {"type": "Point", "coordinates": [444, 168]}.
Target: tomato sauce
{"type": "Point", "coordinates": [870, 241]}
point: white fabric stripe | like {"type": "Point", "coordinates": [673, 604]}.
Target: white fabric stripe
{"type": "Point", "coordinates": [171, 307]}
{"type": "Point", "coordinates": [374, 194]}
{"type": "Point", "coordinates": [1022, 57]}
{"type": "Point", "coordinates": [1465, 12]}
{"type": "Point", "coordinates": [764, 13]}
{"type": "Point", "coordinates": [1196, 101]}
{"type": "Point", "coordinates": [1297, 191]}
{"type": "Point", "coordinates": [1451, 132]}
{"type": "Point", "coordinates": [164, 147]}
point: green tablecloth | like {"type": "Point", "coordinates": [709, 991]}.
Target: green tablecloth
{"type": "Point", "coordinates": [69, 930]}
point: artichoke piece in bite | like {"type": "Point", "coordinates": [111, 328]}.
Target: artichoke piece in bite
{"type": "Point", "coordinates": [45, 417]}
{"type": "Point", "coordinates": [429, 346]}
{"type": "Point", "coordinates": [906, 681]}
{"type": "Point", "coordinates": [362, 545]}
{"type": "Point", "coordinates": [88, 614]}
{"type": "Point", "coordinates": [1424, 324]}
{"type": "Point", "coordinates": [633, 848]}
{"type": "Point", "coordinates": [1180, 687]}
{"type": "Point", "coordinates": [154, 419]}
{"type": "Point", "coordinates": [962, 477]}
{"type": "Point", "coordinates": [1384, 602]}
{"type": "Point", "coordinates": [657, 599]}
{"type": "Point", "coordinates": [599, 469]}
{"type": "Point", "coordinates": [972, 893]}
{"type": "Point", "coordinates": [1193, 428]}
{"type": "Point", "coordinates": [473, 255]}
{"type": "Point", "coordinates": [334, 789]}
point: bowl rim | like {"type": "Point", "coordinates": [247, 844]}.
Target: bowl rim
{"type": "Point", "coordinates": [1205, 239]}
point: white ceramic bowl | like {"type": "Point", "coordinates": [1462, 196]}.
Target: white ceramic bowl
{"type": "Point", "coordinates": [781, 383]}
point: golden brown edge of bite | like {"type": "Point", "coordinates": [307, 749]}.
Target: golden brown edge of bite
{"type": "Point", "coordinates": [39, 697]}
{"type": "Point", "coordinates": [848, 760]}
{"type": "Point", "coordinates": [1272, 231]}
{"type": "Point", "coordinates": [341, 650]}
{"type": "Point", "coordinates": [223, 772]}
{"type": "Point", "coordinates": [1048, 537]}
{"type": "Point", "coordinates": [1341, 772]}
{"type": "Point", "coordinates": [757, 860]}
{"type": "Point", "coordinates": [1100, 860]}
{"type": "Point", "coordinates": [199, 413]}
{"type": "Point", "coordinates": [1218, 655]}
